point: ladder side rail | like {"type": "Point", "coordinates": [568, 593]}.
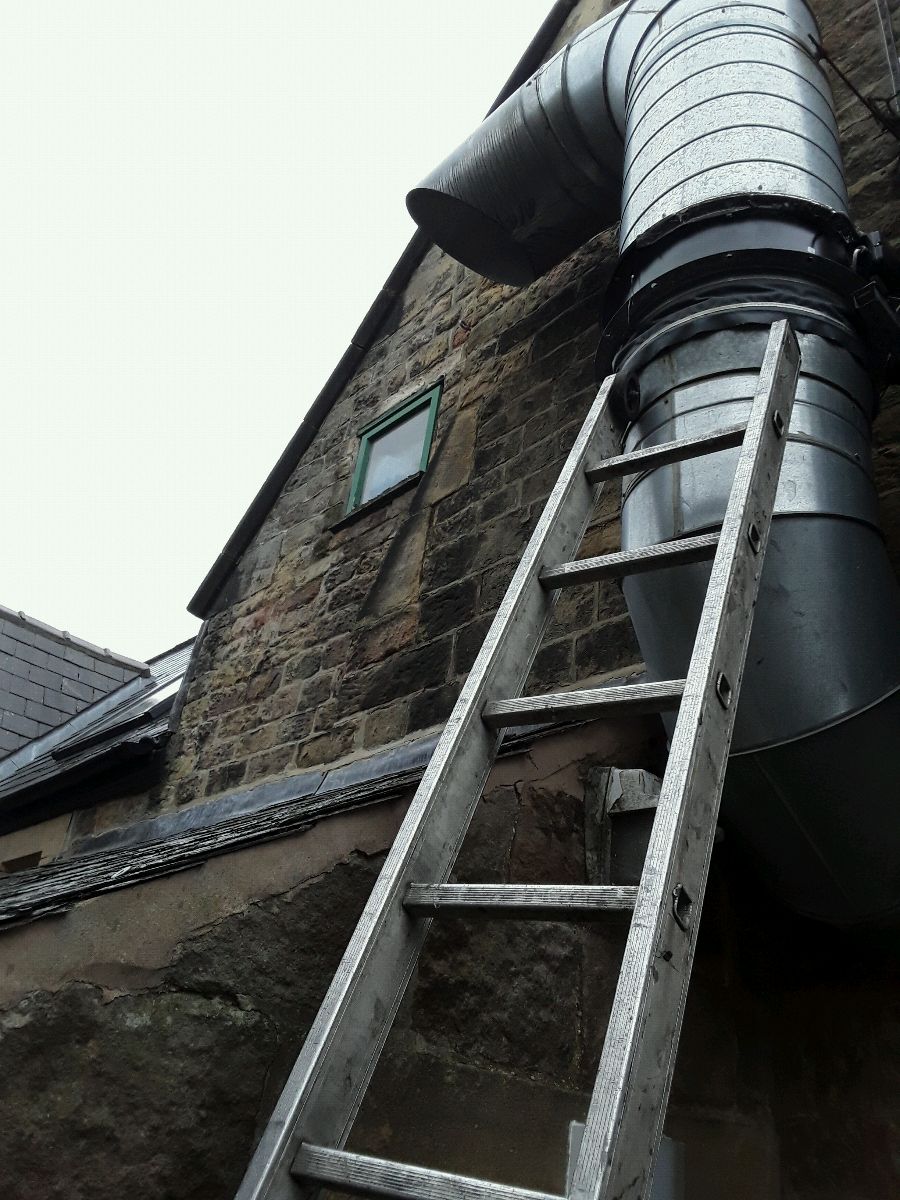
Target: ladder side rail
{"type": "Point", "coordinates": [628, 1104]}
{"type": "Point", "coordinates": [328, 1081]}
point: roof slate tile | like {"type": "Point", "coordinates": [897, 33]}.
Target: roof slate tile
{"type": "Point", "coordinates": [35, 659]}
{"type": "Point", "coordinates": [21, 725]}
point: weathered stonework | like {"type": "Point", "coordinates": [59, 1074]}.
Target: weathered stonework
{"type": "Point", "coordinates": [334, 641]}
{"type": "Point", "coordinates": [340, 640]}
{"type": "Point", "coordinates": [148, 1031]}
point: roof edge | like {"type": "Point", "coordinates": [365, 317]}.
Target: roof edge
{"type": "Point", "coordinates": [202, 602]}
{"type": "Point", "coordinates": [103, 653]}
{"type": "Point", "coordinates": [46, 741]}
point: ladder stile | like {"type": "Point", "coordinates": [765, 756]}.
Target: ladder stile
{"type": "Point", "coordinates": [627, 1110]}
{"type": "Point", "coordinates": [302, 1145]}
{"type": "Point", "coordinates": [326, 1086]}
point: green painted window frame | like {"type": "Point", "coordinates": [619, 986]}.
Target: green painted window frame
{"type": "Point", "coordinates": [429, 398]}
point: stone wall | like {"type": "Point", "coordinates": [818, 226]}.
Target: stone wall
{"type": "Point", "coordinates": [148, 1032]}
{"type": "Point", "coordinates": [332, 641]}
{"type": "Point", "coordinates": [145, 1035]}
{"type": "Point", "coordinates": [341, 640]}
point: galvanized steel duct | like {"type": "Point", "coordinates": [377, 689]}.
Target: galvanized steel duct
{"type": "Point", "coordinates": [686, 102]}
{"type": "Point", "coordinates": [710, 127]}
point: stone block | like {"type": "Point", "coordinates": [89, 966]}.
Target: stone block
{"type": "Point", "coordinates": [484, 857]}
{"type": "Point", "coordinates": [327, 714]}
{"type": "Point", "coordinates": [496, 454]}
{"type": "Point", "coordinates": [316, 691]}
{"type": "Point", "coordinates": [608, 647]}
{"type": "Point", "coordinates": [398, 676]}
{"type": "Point", "coordinates": [135, 1082]}
{"type": "Point", "coordinates": [535, 457]}
{"type": "Point", "coordinates": [399, 577]}
{"type": "Point", "coordinates": [549, 839]}
{"type": "Point", "coordinates": [224, 778]}
{"type": "Point", "coordinates": [469, 496]}
{"type": "Point", "coordinates": [467, 642]}
{"type": "Point", "coordinates": [186, 791]}
{"type": "Point", "coordinates": [446, 609]}
{"type": "Point", "coordinates": [336, 651]}
{"type": "Point", "coordinates": [215, 752]}
{"type": "Point", "coordinates": [552, 667]}
{"type": "Point", "coordinates": [291, 730]}
{"type": "Point", "coordinates": [303, 665]}
{"type": "Point", "coordinates": [602, 537]}
{"type": "Point", "coordinates": [238, 721]}
{"type": "Point", "coordinates": [575, 609]}
{"type": "Point", "coordinates": [373, 644]}
{"type": "Point", "coordinates": [325, 748]}
{"type": "Point", "coordinates": [269, 762]}
{"type": "Point", "coordinates": [500, 501]}
{"type": "Point", "coordinates": [538, 486]}
{"type": "Point", "coordinates": [451, 458]}
{"type": "Point", "coordinates": [448, 563]}
{"type": "Point", "coordinates": [504, 538]}
{"type": "Point", "coordinates": [432, 706]}
{"type": "Point", "coordinates": [384, 725]}
{"type": "Point", "coordinates": [262, 683]}
{"type": "Point", "coordinates": [248, 744]}
{"type": "Point", "coordinates": [428, 357]}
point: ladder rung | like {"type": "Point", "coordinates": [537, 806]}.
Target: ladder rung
{"type": "Point", "coordinates": [624, 700]}
{"type": "Point", "coordinates": [548, 902]}
{"type": "Point", "coordinates": [632, 562]}
{"type": "Point", "coordinates": [367, 1176]}
{"type": "Point", "coordinates": [667, 452]}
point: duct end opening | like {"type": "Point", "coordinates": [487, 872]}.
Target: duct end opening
{"type": "Point", "coordinates": [471, 237]}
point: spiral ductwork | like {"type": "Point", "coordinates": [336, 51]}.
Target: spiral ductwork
{"type": "Point", "coordinates": [726, 101]}
{"type": "Point", "coordinates": [709, 127]}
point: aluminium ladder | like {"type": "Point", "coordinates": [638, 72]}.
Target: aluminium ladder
{"type": "Point", "coordinates": [301, 1148]}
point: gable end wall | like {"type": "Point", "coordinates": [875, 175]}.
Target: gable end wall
{"type": "Point", "coordinates": [336, 641]}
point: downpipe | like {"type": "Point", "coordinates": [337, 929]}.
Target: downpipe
{"type": "Point", "coordinates": [708, 130]}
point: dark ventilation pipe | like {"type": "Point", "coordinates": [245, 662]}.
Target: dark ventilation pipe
{"type": "Point", "coordinates": [709, 129]}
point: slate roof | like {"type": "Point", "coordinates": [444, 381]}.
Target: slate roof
{"type": "Point", "coordinates": [132, 720]}
{"type": "Point", "coordinates": [47, 676]}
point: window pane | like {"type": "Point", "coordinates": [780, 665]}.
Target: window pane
{"type": "Point", "coordinates": [395, 455]}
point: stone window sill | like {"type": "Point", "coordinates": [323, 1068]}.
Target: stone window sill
{"type": "Point", "coordinates": [379, 501]}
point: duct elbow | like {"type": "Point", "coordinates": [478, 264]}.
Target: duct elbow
{"type": "Point", "coordinates": [636, 116]}
{"type": "Point", "coordinates": [539, 177]}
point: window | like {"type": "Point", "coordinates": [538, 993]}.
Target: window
{"type": "Point", "coordinates": [394, 448]}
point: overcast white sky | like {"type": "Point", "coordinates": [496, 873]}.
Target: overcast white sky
{"type": "Point", "coordinates": [198, 201]}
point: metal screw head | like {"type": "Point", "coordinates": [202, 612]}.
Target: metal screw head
{"type": "Point", "coordinates": [778, 422]}
{"type": "Point", "coordinates": [754, 537]}
{"type": "Point", "coordinates": [723, 690]}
